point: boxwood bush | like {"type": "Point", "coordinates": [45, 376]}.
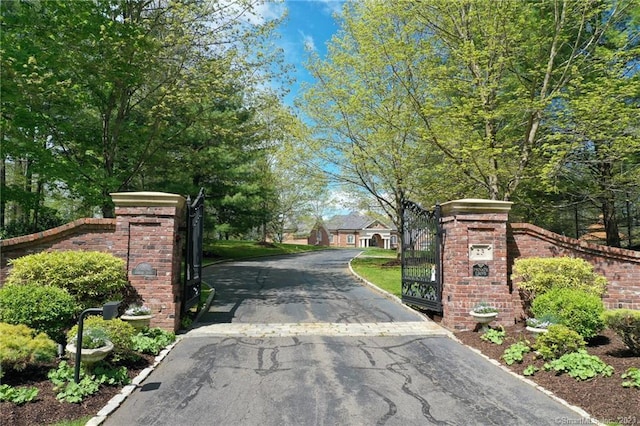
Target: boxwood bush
{"type": "Point", "coordinates": [46, 309]}
{"type": "Point", "coordinates": [91, 277]}
{"type": "Point", "coordinates": [578, 310]}
{"type": "Point", "coordinates": [626, 324]}
{"type": "Point", "coordinates": [21, 346]}
{"type": "Point", "coordinates": [557, 341]}
{"type": "Point", "coordinates": [538, 275]}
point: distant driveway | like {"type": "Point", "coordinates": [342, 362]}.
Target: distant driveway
{"type": "Point", "coordinates": [296, 340]}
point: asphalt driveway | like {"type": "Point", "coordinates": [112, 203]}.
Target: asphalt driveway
{"type": "Point", "coordinates": [298, 341]}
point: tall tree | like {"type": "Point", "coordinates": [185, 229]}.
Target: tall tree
{"type": "Point", "coordinates": [119, 81]}
{"type": "Point", "coordinates": [598, 136]}
{"type": "Point", "coordinates": [365, 131]}
{"type": "Point", "coordinates": [479, 84]}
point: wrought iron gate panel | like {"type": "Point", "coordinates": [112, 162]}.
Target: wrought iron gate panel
{"type": "Point", "coordinates": [193, 255]}
{"type": "Point", "coordinates": [421, 257]}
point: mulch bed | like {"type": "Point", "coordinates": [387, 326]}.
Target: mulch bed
{"type": "Point", "coordinates": [603, 398]}
{"type": "Point", "coordinates": [47, 410]}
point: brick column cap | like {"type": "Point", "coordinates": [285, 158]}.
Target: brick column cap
{"type": "Point", "coordinates": [474, 206]}
{"type": "Point", "coordinates": [147, 199]}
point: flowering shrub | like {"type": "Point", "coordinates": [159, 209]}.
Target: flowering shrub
{"type": "Point", "coordinates": [92, 338]}
{"type": "Point", "coordinates": [137, 310]}
{"type": "Point", "coordinates": [543, 322]}
{"type": "Point", "coordinates": [484, 308]}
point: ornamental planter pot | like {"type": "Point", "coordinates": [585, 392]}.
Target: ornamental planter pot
{"type": "Point", "coordinates": [483, 319]}
{"type": "Point", "coordinates": [137, 321]}
{"type": "Point", "coordinates": [91, 356]}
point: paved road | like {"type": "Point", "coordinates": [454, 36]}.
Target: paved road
{"type": "Point", "coordinates": [297, 341]}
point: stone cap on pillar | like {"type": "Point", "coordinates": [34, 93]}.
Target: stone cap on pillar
{"type": "Point", "coordinates": [147, 199]}
{"type": "Point", "coordinates": [474, 206]}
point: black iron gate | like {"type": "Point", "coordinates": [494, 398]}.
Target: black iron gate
{"type": "Point", "coordinates": [421, 257]}
{"type": "Point", "coordinates": [193, 255]}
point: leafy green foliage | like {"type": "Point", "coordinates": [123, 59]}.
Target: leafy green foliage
{"type": "Point", "coordinates": [580, 365]}
{"type": "Point", "coordinates": [530, 370]}
{"type": "Point", "coordinates": [70, 391]}
{"type": "Point", "coordinates": [63, 373]}
{"type": "Point", "coordinates": [557, 341]}
{"type": "Point", "coordinates": [538, 275]}
{"type": "Point", "coordinates": [152, 340]}
{"type": "Point", "coordinates": [633, 376]}
{"type": "Point", "coordinates": [515, 352]}
{"type": "Point", "coordinates": [18, 396]}
{"type": "Point", "coordinates": [119, 332]}
{"type": "Point", "coordinates": [88, 71]}
{"type": "Point", "coordinates": [626, 324]}
{"type": "Point", "coordinates": [64, 383]}
{"type": "Point", "coordinates": [21, 346]}
{"type": "Point", "coordinates": [494, 335]}
{"type": "Point", "coordinates": [92, 338]}
{"type": "Point", "coordinates": [576, 309]}
{"type": "Point", "coordinates": [44, 308]}
{"type": "Point", "coordinates": [91, 277]}
{"type": "Point", "coordinates": [107, 375]}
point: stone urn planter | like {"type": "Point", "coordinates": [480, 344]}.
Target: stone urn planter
{"type": "Point", "coordinates": [483, 318]}
{"type": "Point", "coordinates": [91, 356]}
{"type": "Point", "coordinates": [137, 321]}
{"type": "Point", "coordinates": [139, 316]}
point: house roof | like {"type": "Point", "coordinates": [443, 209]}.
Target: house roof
{"type": "Point", "coordinates": [352, 220]}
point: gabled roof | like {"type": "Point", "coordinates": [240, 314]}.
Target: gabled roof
{"type": "Point", "coordinates": [353, 221]}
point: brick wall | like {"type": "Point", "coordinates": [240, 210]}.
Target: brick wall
{"type": "Point", "coordinates": [469, 224]}
{"type": "Point", "coordinates": [146, 233]}
{"type": "Point", "coordinates": [340, 239]}
{"type": "Point", "coordinates": [621, 267]}
{"type": "Point", "coordinates": [82, 234]}
{"type": "Point", "coordinates": [472, 223]}
{"type": "Point", "coordinates": [154, 251]}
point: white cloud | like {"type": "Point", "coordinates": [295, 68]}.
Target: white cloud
{"type": "Point", "coordinates": [270, 10]}
{"type": "Point", "coordinates": [332, 7]}
{"type": "Point", "coordinates": [308, 42]}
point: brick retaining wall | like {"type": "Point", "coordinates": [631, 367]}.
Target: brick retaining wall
{"type": "Point", "coordinates": [621, 267]}
{"type": "Point", "coordinates": [82, 234]}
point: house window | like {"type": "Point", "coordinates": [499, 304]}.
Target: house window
{"type": "Point", "coordinates": [394, 240]}
{"type": "Point", "coordinates": [350, 239]}
{"type": "Point", "coordinates": [318, 236]}
{"type": "Point", "coordinates": [331, 238]}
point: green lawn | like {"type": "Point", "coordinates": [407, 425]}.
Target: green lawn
{"type": "Point", "coordinates": [386, 277]}
{"type": "Point", "coordinates": [230, 249]}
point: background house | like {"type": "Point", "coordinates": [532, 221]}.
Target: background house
{"type": "Point", "coordinates": [354, 230]}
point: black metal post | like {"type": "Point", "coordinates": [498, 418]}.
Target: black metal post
{"type": "Point", "coordinates": [108, 311]}
{"type": "Point", "coordinates": [76, 373]}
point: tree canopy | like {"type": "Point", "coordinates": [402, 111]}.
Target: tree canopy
{"type": "Point", "coordinates": [118, 95]}
{"type": "Point", "coordinates": [481, 99]}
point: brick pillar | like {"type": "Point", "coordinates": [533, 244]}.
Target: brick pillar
{"type": "Point", "coordinates": [150, 222]}
{"type": "Point", "coordinates": [474, 261]}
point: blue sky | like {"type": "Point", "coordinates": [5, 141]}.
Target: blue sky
{"type": "Point", "coordinates": [310, 23]}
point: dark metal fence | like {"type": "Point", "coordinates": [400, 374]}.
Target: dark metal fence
{"type": "Point", "coordinates": [421, 257]}
{"type": "Point", "coordinates": [193, 255]}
